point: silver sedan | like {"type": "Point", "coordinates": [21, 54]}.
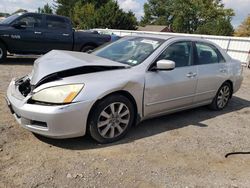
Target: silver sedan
{"type": "Point", "coordinates": [105, 92]}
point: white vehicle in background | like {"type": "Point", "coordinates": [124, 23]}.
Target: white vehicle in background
{"type": "Point", "coordinates": [2, 18]}
{"type": "Point", "coordinates": [114, 37]}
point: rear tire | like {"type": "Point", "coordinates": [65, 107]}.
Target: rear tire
{"type": "Point", "coordinates": [222, 97]}
{"type": "Point", "coordinates": [87, 48]}
{"type": "Point", "coordinates": [111, 119]}
{"type": "Point", "coordinates": [3, 53]}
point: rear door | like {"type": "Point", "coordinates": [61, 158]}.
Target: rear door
{"type": "Point", "coordinates": [175, 89]}
{"type": "Point", "coordinates": [28, 38]}
{"type": "Point", "coordinates": [58, 33]}
{"type": "Point", "coordinates": [212, 71]}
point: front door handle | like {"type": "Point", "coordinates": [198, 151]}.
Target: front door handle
{"type": "Point", "coordinates": [191, 75]}
{"type": "Point", "coordinates": [65, 34]}
{"type": "Point", "coordinates": [194, 74]}
{"type": "Point", "coordinates": [38, 32]}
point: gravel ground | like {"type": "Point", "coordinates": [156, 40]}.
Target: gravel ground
{"type": "Point", "coordinates": [185, 149]}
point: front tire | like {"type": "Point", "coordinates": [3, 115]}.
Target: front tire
{"type": "Point", "coordinates": [111, 119]}
{"type": "Point", "coordinates": [222, 97]}
{"type": "Point", "coordinates": [3, 53]}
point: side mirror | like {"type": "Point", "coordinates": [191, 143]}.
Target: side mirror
{"type": "Point", "coordinates": [165, 65]}
{"type": "Point", "coordinates": [20, 25]}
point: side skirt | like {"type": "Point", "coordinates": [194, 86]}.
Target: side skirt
{"type": "Point", "coordinates": [177, 110]}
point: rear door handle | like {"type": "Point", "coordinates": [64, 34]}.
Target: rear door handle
{"type": "Point", "coordinates": [38, 32]}
{"type": "Point", "coordinates": [65, 34]}
{"type": "Point", "coordinates": [223, 70]}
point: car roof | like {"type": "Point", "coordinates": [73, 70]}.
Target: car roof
{"type": "Point", "coordinates": [187, 38]}
{"type": "Point", "coordinates": [152, 36]}
{"type": "Point", "coordinates": [167, 37]}
{"type": "Point", "coordinates": [35, 13]}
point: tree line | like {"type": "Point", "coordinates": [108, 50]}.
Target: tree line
{"type": "Point", "coordinates": [182, 16]}
{"type": "Point", "coordinates": [190, 16]}
{"type": "Point", "coordinates": [87, 14]}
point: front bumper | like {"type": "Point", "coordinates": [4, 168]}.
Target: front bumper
{"type": "Point", "coordinates": [61, 121]}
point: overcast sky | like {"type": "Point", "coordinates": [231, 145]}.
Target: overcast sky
{"type": "Point", "coordinates": [241, 7]}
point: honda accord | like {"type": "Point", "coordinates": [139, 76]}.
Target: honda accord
{"type": "Point", "coordinates": [105, 92]}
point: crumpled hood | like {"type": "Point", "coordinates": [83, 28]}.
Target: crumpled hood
{"type": "Point", "coordinates": [59, 60]}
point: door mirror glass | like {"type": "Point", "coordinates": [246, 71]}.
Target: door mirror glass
{"type": "Point", "coordinates": [165, 65]}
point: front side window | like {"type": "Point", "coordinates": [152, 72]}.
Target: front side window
{"type": "Point", "coordinates": [53, 22]}
{"type": "Point", "coordinates": [180, 53]}
{"type": "Point", "coordinates": [31, 21]}
{"type": "Point", "coordinates": [131, 51]}
{"type": "Point", "coordinates": [207, 54]}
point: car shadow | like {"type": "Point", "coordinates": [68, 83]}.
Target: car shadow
{"type": "Point", "coordinates": [151, 127]}
{"type": "Point", "coordinates": [19, 61]}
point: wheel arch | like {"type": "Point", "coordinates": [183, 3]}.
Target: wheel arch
{"type": "Point", "coordinates": [120, 92]}
{"type": "Point", "coordinates": [89, 44]}
{"type": "Point", "coordinates": [4, 43]}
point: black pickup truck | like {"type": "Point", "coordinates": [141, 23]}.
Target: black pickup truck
{"type": "Point", "coordinates": [33, 33]}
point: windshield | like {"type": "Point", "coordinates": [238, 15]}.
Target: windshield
{"type": "Point", "coordinates": [10, 19]}
{"type": "Point", "coordinates": [131, 51]}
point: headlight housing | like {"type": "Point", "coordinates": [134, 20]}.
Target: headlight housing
{"type": "Point", "coordinates": [63, 94]}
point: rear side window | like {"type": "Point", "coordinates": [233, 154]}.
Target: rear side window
{"type": "Point", "coordinates": [207, 54]}
{"type": "Point", "coordinates": [180, 53]}
{"type": "Point", "coordinates": [53, 22]}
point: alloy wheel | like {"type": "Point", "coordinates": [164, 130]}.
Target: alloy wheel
{"type": "Point", "coordinates": [223, 96]}
{"type": "Point", "coordinates": [113, 120]}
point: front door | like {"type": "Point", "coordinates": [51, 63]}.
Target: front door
{"type": "Point", "coordinates": [28, 38]}
{"type": "Point", "coordinates": [175, 89]}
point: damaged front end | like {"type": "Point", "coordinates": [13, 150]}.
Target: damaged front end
{"type": "Point", "coordinates": [45, 101]}
{"type": "Point", "coordinates": [76, 71]}
{"type": "Point", "coordinates": [58, 65]}
{"type": "Point", "coordinates": [24, 86]}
